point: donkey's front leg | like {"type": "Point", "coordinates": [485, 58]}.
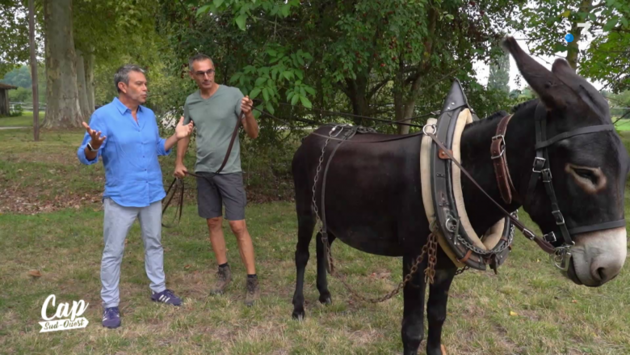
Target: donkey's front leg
{"type": "Point", "coordinates": [413, 313]}
{"type": "Point", "coordinates": [438, 297]}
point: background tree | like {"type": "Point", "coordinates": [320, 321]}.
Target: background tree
{"type": "Point", "coordinates": [499, 77]}
{"type": "Point", "coordinates": [545, 22]}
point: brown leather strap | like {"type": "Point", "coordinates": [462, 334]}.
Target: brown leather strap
{"type": "Point", "coordinates": [229, 150]}
{"type": "Point", "coordinates": [499, 160]}
{"type": "Point", "coordinates": [543, 244]}
{"type": "Point", "coordinates": [465, 258]}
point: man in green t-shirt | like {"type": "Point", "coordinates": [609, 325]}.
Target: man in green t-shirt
{"type": "Point", "coordinates": [215, 110]}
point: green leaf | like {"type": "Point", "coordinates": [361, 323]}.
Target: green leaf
{"type": "Point", "coordinates": [240, 21]}
{"type": "Point", "coordinates": [299, 74]}
{"type": "Point", "coordinates": [288, 75]}
{"type": "Point", "coordinates": [272, 52]}
{"type": "Point", "coordinates": [261, 81]}
{"type": "Point", "coordinates": [203, 9]}
{"type": "Point", "coordinates": [310, 90]}
{"type": "Point", "coordinates": [286, 8]}
{"type": "Point", "coordinates": [254, 93]}
{"type": "Point", "coordinates": [611, 24]}
{"type": "Point", "coordinates": [218, 3]}
{"type": "Point", "coordinates": [295, 99]}
{"type": "Point", "coordinates": [306, 102]}
{"type": "Point", "coordinates": [269, 107]}
{"type": "Point", "coordinates": [566, 13]}
{"type": "Point", "coordinates": [265, 94]}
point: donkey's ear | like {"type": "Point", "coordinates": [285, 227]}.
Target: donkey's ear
{"type": "Point", "coordinates": [587, 93]}
{"type": "Point", "coordinates": [551, 90]}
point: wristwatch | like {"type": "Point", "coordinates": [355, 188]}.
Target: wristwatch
{"type": "Point", "coordinates": [89, 146]}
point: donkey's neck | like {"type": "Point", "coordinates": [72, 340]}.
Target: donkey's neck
{"type": "Point", "coordinates": [475, 153]}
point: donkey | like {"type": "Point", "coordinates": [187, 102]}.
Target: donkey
{"type": "Point", "coordinates": [374, 202]}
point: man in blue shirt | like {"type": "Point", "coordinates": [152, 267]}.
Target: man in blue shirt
{"type": "Point", "coordinates": [125, 134]}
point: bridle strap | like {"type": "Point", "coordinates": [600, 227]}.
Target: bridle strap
{"type": "Point", "coordinates": [599, 226]}
{"type": "Point", "coordinates": [575, 132]}
{"type": "Point", "coordinates": [499, 161]}
{"type": "Point", "coordinates": [542, 170]}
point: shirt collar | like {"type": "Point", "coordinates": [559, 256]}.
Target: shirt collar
{"type": "Point", "coordinates": [122, 108]}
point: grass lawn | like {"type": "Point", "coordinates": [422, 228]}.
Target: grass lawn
{"type": "Point", "coordinates": [623, 125]}
{"type": "Point", "coordinates": [528, 308]}
{"type": "Point", "coordinates": [25, 120]}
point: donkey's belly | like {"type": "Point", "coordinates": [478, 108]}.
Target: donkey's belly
{"type": "Point", "coordinates": [367, 239]}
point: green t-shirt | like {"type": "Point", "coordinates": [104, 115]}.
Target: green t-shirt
{"type": "Point", "coordinates": [215, 119]}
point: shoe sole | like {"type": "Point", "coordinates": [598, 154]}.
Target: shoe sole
{"type": "Point", "coordinates": [172, 304]}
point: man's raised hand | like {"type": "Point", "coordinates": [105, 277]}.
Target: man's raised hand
{"type": "Point", "coordinates": [97, 140]}
{"type": "Point", "coordinates": [183, 131]}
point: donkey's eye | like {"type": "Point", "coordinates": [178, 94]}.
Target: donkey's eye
{"type": "Point", "coordinates": [585, 173]}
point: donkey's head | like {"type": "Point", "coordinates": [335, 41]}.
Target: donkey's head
{"type": "Point", "coordinates": [587, 170]}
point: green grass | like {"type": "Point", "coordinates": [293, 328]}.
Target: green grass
{"type": "Point", "coordinates": [25, 120]}
{"type": "Point", "coordinates": [623, 125]}
{"type": "Point", "coordinates": [550, 315]}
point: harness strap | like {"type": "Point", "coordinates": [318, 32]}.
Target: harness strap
{"type": "Point", "coordinates": [499, 160]}
{"type": "Point", "coordinates": [544, 245]}
{"type": "Point", "coordinates": [575, 132]}
{"type": "Point", "coordinates": [346, 137]}
{"type": "Point", "coordinates": [600, 226]}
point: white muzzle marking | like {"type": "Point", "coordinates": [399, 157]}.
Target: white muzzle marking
{"type": "Point", "coordinates": [599, 256]}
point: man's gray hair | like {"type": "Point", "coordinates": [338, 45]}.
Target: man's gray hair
{"type": "Point", "coordinates": [122, 74]}
{"type": "Point", "coordinates": [198, 57]}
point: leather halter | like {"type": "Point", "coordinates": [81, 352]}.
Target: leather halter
{"type": "Point", "coordinates": [542, 170]}
{"type": "Point", "coordinates": [499, 160]}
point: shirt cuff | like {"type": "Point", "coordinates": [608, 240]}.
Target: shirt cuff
{"type": "Point", "coordinates": [83, 159]}
{"type": "Point", "coordinates": [161, 150]}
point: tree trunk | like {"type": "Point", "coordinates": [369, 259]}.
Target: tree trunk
{"type": "Point", "coordinates": [423, 68]}
{"type": "Point", "coordinates": [35, 88]}
{"type": "Point", "coordinates": [62, 99]}
{"type": "Point", "coordinates": [89, 80]}
{"type": "Point", "coordinates": [81, 86]}
{"type": "Point", "coordinates": [360, 104]}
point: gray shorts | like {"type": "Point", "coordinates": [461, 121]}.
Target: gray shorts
{"type": "Point", "coordinates": [223, 189]}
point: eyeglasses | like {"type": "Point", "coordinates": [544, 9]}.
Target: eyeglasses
{"type": "Point", "coordinates": [202, 74]}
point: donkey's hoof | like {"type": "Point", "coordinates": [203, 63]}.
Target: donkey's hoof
{"type": "Point", "coordinates": [325, 299]}
{"type": "Point", "coordinates": [298, 314]}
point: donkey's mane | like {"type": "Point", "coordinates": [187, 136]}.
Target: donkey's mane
{"type": "Point", "coordinates": [500, 114]}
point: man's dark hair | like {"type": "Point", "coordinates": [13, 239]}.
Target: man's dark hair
{"type": "Point", "coordinates": [198, 57]}
{"type": "Point", "coordinates": [122, 74]}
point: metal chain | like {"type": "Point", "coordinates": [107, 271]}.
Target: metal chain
{"type": "Point", "coordinates": [431, 244]}
{"type": "Point", "coordinates": [477, 250]}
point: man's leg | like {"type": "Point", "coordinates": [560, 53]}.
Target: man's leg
{"type": "Point", "coordinates": [209, 207]}
{"type": "Point", "coordinates": [116, 224]}
{"type": "Point", "coordinates": [235, 200]}
{"type": "Point", "coordinates": [151, 224]}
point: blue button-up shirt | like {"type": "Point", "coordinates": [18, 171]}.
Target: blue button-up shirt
{"type": "Point", "coordinates": [133, 177]}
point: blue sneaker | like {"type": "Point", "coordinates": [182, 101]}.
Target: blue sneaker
{"type": "Point", "coordinates": [111, 317]}
{"type": "Point", "coordinates": [167, 296]}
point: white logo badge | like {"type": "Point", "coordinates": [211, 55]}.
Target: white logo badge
{"type": "Point", "coordinates": [65, 318]}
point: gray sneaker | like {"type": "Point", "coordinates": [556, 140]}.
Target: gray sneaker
{"type": "Point", "coordinates": [224, 277]}
{"type": "Point", "coordinates": [252, 291]}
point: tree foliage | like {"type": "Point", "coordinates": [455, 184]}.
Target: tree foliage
{"type": "Point", "coordinates": [607, 58]}
{"type": "Point", "coordinates": [387, 59]}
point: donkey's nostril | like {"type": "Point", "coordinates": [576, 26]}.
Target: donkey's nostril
{"type": "Point", "coordinates": [601, 274]}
